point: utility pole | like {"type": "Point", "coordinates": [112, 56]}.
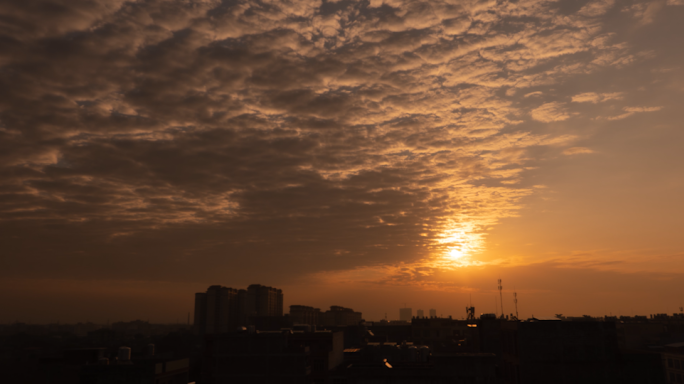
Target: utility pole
{"type": "Point", "coordinates": [501, 298]}
{"type": "Point", "coordinates": [496, 307]}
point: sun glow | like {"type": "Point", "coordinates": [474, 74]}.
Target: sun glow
{"type": "Point", "coordinates": [455, 253]}
{"type": "Point", "coordinates": [459, 244]}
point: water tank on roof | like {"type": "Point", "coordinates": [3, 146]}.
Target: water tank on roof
{"type": "Point", "coordinates": [124, 354]}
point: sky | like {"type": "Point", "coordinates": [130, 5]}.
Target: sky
{"type": "Point", "coordinates": [370, 154]}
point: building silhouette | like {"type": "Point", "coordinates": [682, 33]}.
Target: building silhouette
{"type": "Point", "coordinates": [340, 316]}
{"type": "Point", "coordinates": [405, 314]}
{"type": "Point", "coordinates": [264, 301]}
{"type": "Point", "coordinates": [272, 357]}
{"type": "Point", "coordinates": [217, 310]}
{"type": "Point", "coordinates": [555, 351]}
{"type": "Point", "coordinates": [445, 335]}
{"type": "Point", "coordinates": [335, 316]}
{"type": "Point", "coordinates": [302, 314]}
{"type": "Point", "coordinates": [433, 313]}
{"type": "Point", "coordinates": [222, 309]}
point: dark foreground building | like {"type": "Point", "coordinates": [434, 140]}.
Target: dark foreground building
{"type": "Point", "coordinates": [272, 357]}
{"type": "Point", "coordinates": [98, 366]}
{"type": "Point", "coordinates": [569, 352]}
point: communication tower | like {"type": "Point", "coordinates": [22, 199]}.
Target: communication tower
{"type": "Point", "coordinates": [470, 310]}
{"type": "Point", "coordinates": [515, 300]}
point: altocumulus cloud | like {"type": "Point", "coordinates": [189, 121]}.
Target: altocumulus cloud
{"type": "Point", "coordinates": [301, 136]}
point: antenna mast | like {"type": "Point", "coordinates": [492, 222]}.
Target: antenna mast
{"type": "Point", "coordinates": [515, 300]}
{"type": "Point", "coordinates": [501, 298]}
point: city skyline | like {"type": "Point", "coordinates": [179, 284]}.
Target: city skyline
{"type": "Point", "coordinates": [367, 154]}
{"type": "Point", "coordinates": [248, 302]}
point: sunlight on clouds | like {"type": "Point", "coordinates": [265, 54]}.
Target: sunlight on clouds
{"type": "Point", "coordinates": [550, 112]}
{"type": "Point", "coordinates": [593, 97]}
{"type": "Point", "coordinates": [459, 244]}
{"type": "Point", "coordinates": [577, 151]}
{"type": "Point", "coordinates": [629, 111]}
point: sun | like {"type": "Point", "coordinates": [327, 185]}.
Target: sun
{"type": "Point", "coordinates": [455, 253]}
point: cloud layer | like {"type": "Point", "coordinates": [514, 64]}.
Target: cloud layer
{"type": "Point", "coordinates": [258, 137]}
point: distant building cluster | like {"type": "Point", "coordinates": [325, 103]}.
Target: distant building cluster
{"type": "Point", "coordinates": [221, 309]}
{"type": "Point", "coordinates": [336, 316]}
{"type": "Point", "coordinates": [406, 314]}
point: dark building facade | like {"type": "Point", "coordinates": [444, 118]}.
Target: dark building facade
{"type": "Point", "coordinates": [559, 352]}
{"type": "Point", "coordinates": [217, 310]}
{"type": "Point", "coordinates": [302, 314]}
{"type": "Point", "coordinates": [264, 301]}
{"type": "Point", "coordinates": [444, 335]}
{"type": "Point", "coordinates": [223, 309]}
{"type": "Point", "coordinates": [340, 316]}
{"type": "Point", "coordinates": [673, 362]}
{"type": "Point", "coordinates": [272, 357]}
{"type": "Point", "coordinates": [335, 317]}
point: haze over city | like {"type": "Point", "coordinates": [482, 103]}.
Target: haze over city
{"type": "Point", "coordinates": [367, 154]}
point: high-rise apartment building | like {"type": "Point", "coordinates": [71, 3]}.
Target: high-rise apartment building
{"type": "Point", "coordinates": [405, 314]}
{"type": "Point", "coordinates": [264, 301]}
{"type": "Point", "coordinates": [223, 309]}
{"type": "Point", "coordinates": [216, 311]}
{"type": "Point", "coordinates": [433, 313]}
{"type": "Point", "coordinates": [420, 313]}
{"type": "Point", "coordinates": [302, 314]}
{"type": "Point", "coordinates": [200, 319]}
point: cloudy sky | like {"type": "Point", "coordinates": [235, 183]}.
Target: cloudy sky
{"type": "Point", "coordinates": [370, 154]}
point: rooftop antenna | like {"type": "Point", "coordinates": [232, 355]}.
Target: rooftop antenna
{"type": "Point", "coordinates": [515, 300]}
{"type": "Point", "coordinates": [501, 298]}
{"type": "Point", "coordinates": [471, 310]}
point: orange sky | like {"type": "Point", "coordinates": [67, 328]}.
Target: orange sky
{"type": "Point", "coordinates": [370, 154]}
